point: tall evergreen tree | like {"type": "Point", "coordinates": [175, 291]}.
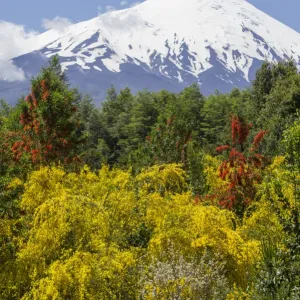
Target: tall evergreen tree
{"type": "Point", "coordinates": [49, 120]}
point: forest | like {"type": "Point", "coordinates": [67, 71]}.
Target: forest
{"type": "Point", "coordinates": [151, 196]}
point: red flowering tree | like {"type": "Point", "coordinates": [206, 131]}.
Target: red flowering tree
{"type": "Point", "coordinates": [241, 168]}
{"type": "Point", "coordinates": [49, 123]}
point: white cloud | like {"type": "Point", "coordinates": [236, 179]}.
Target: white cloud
{"type": "Point", "coordinates": [58, 23]}
{"type": "Point", "coordinates": [99, 9]}
{"type": "Point", "coordinates": [9, 72]}
{"type": "Point", "coordinates": [15, 41]}
{"type": "Point", "coordinates": [109, 8]}
{"type": "Point", "coordinates": [132, 21]}
{"type": "Point", "coordinates": [124, 3]}
{"type": "Point", "coordinates": [135, 4]}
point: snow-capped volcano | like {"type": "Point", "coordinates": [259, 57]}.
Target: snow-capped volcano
{"type": "Point", "coordinates": [167, 44]}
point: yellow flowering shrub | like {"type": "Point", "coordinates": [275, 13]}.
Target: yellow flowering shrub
{"type": "Point", "coordinates": [276, 198]}
{"type": "Point", "coordinates": [67, 213]}
{"type": "Point", "coordinates": [212, 172]}
{"type": "Point", "coordinates": [87, 275]}
{"type": "Point", "coordinates": [262, 217]}
{"type": "Point", "coordinates": [278, 183]}
{"type": "Point", "coordinates": [193, 228]}
{"type": "Point", "coordinates": [218, 230]}
{"type": "Point", "coordinates": [107, 235]}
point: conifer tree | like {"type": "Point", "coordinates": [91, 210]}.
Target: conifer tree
{"type": "Point", "coordinates": [49, 122]}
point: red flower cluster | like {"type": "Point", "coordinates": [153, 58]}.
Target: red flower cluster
{"type": "Point", "coordinates": [257, 140]}
{"type": "Point", "coordinates": [239, 130]}
{"type": "Point", "coordinates": [240, 170]}
{"type": "Point", "coordinates": [45, 91]}
{"type": "Point", "coordinates": [222, 148]}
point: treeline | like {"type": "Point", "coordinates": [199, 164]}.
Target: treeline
{"type": "Point", "coordinates": [154, 195]}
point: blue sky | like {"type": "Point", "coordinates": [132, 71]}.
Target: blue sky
{"type": "Point", "coordinates": [31, 12]}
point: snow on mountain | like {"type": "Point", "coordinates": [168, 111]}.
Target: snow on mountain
{"type": "Point", "coordinates": [168, 44]}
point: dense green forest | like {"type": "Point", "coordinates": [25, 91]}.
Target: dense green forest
{"type": "Point", "coordinates": [153, 195]}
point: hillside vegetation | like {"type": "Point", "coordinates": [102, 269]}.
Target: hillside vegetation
{"type": "Point", "coordinates": [153, 195]}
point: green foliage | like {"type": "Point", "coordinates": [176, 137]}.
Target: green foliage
{"type": "Point", "coordinates": [195, 169]}
{"type": "Point", "coordinates": [291, 144]}
{"type": "Point", "coordinates": [279, 276]}
{"type": "Point", "coordinates": [277, 103]}
{"type": "Point", "coordinates": [5, 110]}
{"type": "Point", "coordinates": [147, 218]}
{"type": "Point", "coordinates": [177, 126]}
